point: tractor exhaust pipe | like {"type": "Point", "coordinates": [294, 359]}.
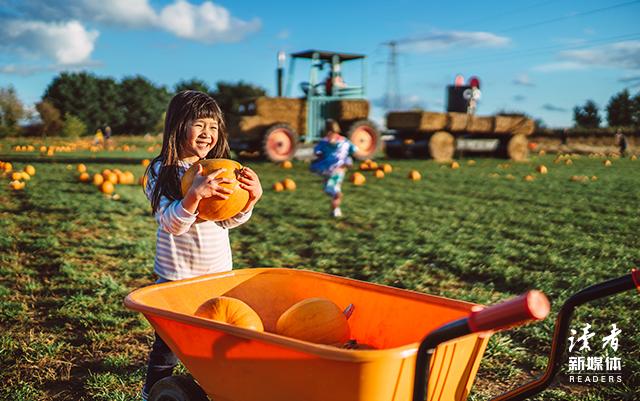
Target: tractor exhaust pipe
{"type": "Point", "coordinates": [280, 72]}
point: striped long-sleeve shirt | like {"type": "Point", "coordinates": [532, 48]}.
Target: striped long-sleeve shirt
{"type": "Point", "coordinates": [185, 245]}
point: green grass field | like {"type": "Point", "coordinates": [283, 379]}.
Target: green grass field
{"type": "Point", "coordinates": [69, 255]}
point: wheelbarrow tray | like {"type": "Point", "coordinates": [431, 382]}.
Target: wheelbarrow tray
{"type": "Point", "coordinates": [236, 364]}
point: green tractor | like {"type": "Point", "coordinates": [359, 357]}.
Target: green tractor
{"type": "Point", "coordinates": [276, 126]}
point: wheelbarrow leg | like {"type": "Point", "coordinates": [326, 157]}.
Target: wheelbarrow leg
{"type": "Point", "coordinates": [177, 388]}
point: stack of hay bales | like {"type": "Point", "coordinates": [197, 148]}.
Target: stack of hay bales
{"type": "Point", "coordinates": [457, 121]}
{"type": "Point", "coordinates": [517, 125]}
{"type": "Point", "coordinates": [416, 120]}
{"type": "Point", "coordinates": [480, 125]}
{"type": "Point", "coordinates": [349, 109]}
{"type": "Point", "coordinates": [273, 110]}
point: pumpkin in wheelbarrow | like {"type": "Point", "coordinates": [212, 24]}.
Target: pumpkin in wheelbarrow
{"type": "Point", "coordinates": [317, 320]}
{"type": "Point", "coordinates": [212, 208]}
{"type": "Point", "coordinates": [232, 311]}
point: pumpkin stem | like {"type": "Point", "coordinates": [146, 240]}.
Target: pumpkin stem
{"type": "Point", "coordinates": [348, 311]}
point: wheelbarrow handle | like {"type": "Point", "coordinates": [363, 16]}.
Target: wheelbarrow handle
{"type": "Point", "coordinates": [532, 305]}
{"type": "Point", "coordinates": [558, 344]}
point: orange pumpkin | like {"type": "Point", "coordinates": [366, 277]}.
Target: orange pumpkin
{"type": "Point", "coordinates": [317, 320]}
{"type": "Point", "coordinates": [81, 168]}
{"type": "Point", "coordinates": [379, 173]}
{"type": "Point", "coordinates": [107, 187]}
{"type": "Point", "coordinates": [278, 187]}
{"type": "Point", "coordinates": [29, 169]}
{"type": "Point", "coordinates": [218, 209]}
{"type": "Point", "coordinates": [84, 177]}
{"type": "Point", "coordinates": [289, 184]}
{"type": "Point", "coordinates": [357, 179]}
{"type": "Point", "coordinates": [287, 164]}
{"type": "Point", "coordinates": [98, 179]}
{"type": "Point", "coordinates": [387, 168]}
{"type": "Point", "coordinates": [232, 311]}
{"type": "Point", "coordinates": [414, 175]}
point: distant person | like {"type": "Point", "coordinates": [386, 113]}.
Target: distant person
{"type": "Point", "coordinates": [333, 157]}
{"type": "Point", "coordinates": [98, 138]}
{"type": "Point", "coordinates": [564, 135]}
{"type": "Point", "coordinates": [621, 141]}
{"type": "Point", "coordinates": [187, 246]}
{"type": "Point", "coordinates": [333, 81]}
{"type": "Point", "coordinates": [107, 133]}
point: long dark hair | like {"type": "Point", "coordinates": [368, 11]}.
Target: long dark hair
{"type": "Point", "coordinates": [185, 107]}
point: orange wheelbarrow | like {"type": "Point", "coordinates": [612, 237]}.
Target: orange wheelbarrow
{"type": "Point", "coordinates": [230, 363]}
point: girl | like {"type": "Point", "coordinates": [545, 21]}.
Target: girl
{"type": "Point", "coordinates": [333, 157]}
{"type": "Point", "coordinates": [185, 245]}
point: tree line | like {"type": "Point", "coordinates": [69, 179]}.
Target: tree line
{"type": "Point", "coordinates": [75, 104]}
{"type": "Point", "coordinates": [623, 110]}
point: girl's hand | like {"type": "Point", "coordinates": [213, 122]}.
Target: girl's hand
{"type": "Point", "coordinates": [250, 182]}
{"type": "Point", "coordinates": [206, 186]}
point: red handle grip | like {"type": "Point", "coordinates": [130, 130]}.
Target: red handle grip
{"type": "Point", "coordinates": [635, 275]}
{"type": "Point", "coordinates": [532, 305]}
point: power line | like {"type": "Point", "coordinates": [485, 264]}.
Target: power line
{"type": "Point", "coordinates": [580, 14]}
{"type": "Point", "coordinates": [528, 52]}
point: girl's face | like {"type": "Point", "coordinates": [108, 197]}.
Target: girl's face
{"type": "Point", "coordinates": [201, 138]}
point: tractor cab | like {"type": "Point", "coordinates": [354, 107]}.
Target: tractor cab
{"type": "Point", "coordinates": [332, 84]}
{"type": "Point", "coordinates": [275, 126]}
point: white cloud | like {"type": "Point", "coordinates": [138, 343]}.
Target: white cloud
{"type": "Point", "coordinates": [283, 34]}
{"type": "Point", "coordinates": [67, 43]}
{"type": "Point", "coordinates": [560, 66]}
{"type": "Point", "coordinates": [625, 55]}
{"type": "Point", "coordinates": [58, 30]}
{"type": "Point", "coordinates": [442, 40]}
{"type": "Point", "coordinates": [523, 80]}
{"type": "Point", "coordinates": [206, 23]}
{"type": "Point", "coordinates": [619, 55]}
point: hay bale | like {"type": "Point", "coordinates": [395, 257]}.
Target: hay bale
{"type": "Point", "coordinates": [273, 110]}
{"type": "Point", "coordinates": [441, 146]}
{"type": "Point", "coordinates": [457, 121]}
{"type": "Point", "coordinates": [517, 125]}
{"type": "Point", "coordinates": [518, 148]}
{"type": "Point", "coordinates": [417, 120]}
{"type": "Point", "coordinates": [352, 109]}
{"type": "Point", "coordinates": [480, 125]}
{"type": "Point", "coordinates": [404, 120]}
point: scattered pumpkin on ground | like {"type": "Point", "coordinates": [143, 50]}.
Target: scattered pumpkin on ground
{"type": "Point", "coordinates": [289, 184]}
{"type": "Point", "coordinates": [107, 187]}
{"type": "Point", "coordinates": [542, 169]}
{"type": "Point", "coordinates": [357, 179]}
{"type": "Point", "coordinates": [278, 187]}
{"type": "Point", "coordinates": [287, 164]}
{"type": "Point", "coordinates": [379, 173]}
{"type": "Point", "coordinates": [414, 175]}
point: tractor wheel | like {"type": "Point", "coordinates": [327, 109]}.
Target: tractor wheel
{"type": "Point", "coordinates": [366, 137]}
{"type": "Point", "coordinates": [442, 146]}
{"type": "Point", "coordinates": [177, 388]}
{"type": "Point", "coordinates": [279, 143]}
{"type": "Point", "coordinates": [518, 148]}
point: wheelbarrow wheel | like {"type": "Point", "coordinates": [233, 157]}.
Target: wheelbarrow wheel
{"type": "Point", "coordinates": [177, 388]}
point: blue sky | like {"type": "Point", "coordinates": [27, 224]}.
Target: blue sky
{"type": "Point", "coordinates": [540, 57]}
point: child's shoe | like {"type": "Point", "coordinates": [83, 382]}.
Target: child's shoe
{"type": "Point", "coordinates": [336, 212]}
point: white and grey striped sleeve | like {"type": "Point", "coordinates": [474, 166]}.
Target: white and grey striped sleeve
{"type": "Point", "coordinates": [171, 216]}
{"type": "Point", "coordinates": [236, 220]}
